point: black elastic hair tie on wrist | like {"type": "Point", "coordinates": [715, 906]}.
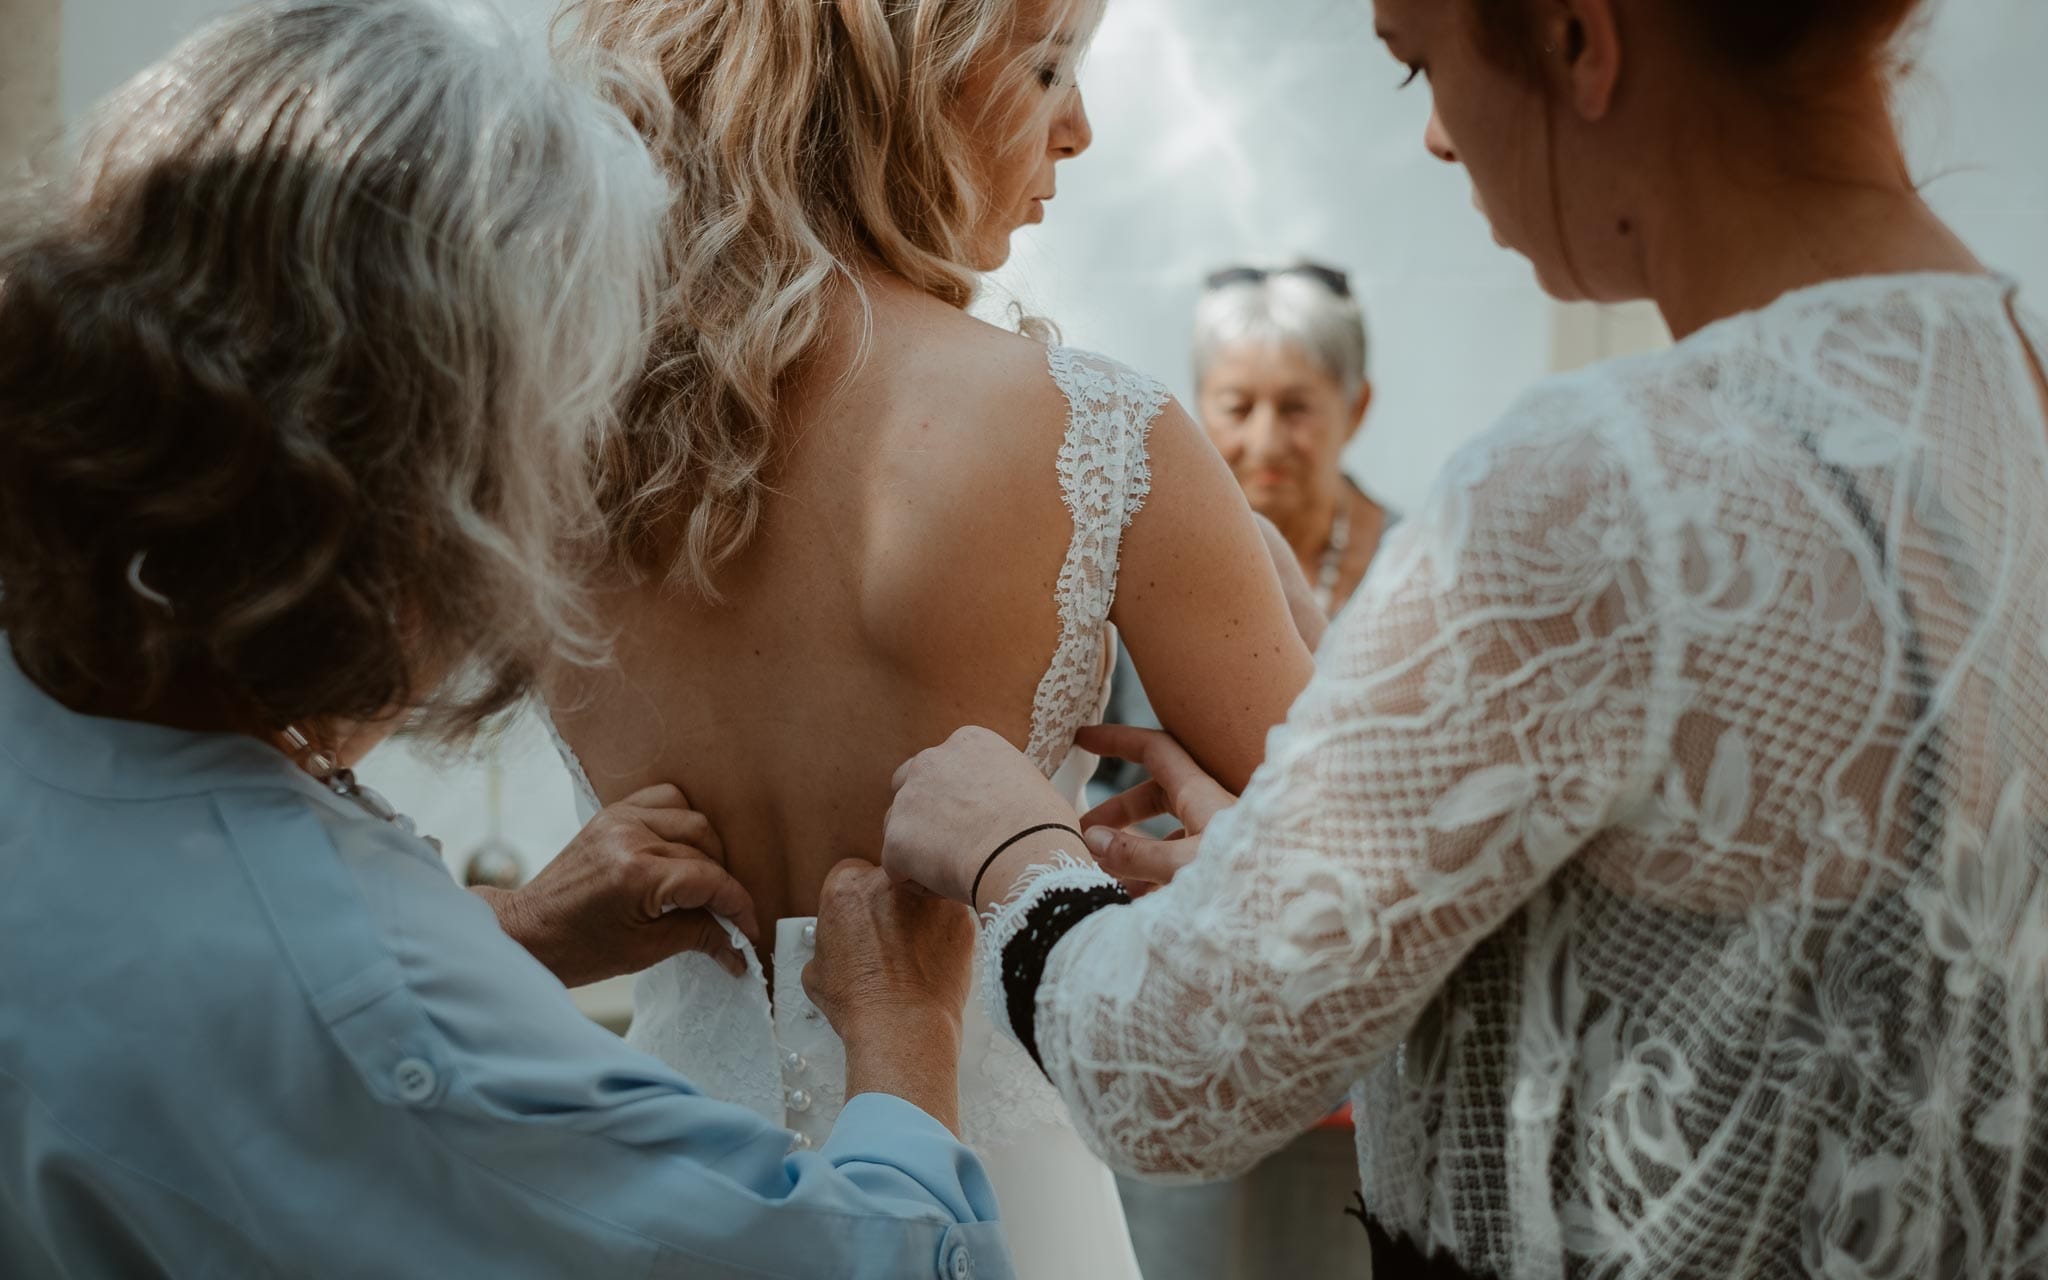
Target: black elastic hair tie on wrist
{"type": "Point", "coordinates": [974, 893]}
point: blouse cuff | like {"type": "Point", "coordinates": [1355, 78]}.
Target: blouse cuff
{"type": "Point", "coordinates": [1021, 932]}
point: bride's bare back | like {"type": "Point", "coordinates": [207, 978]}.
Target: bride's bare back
{"type": "Point", "coordinates": [903, 583]}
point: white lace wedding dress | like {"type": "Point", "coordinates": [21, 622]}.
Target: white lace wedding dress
{"type": "Point", "coordinates": [782, 1060]}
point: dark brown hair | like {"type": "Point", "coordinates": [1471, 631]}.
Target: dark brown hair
{"type": "Point", "coordinates": [299, 372]}
{"type": "Point", "coordinates": [1748, 38]}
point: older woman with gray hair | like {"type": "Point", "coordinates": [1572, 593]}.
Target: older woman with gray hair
{"type": "Point", "coordinates": [299, 371]}
{"type": "Point", "coordinates": [1282, 382]}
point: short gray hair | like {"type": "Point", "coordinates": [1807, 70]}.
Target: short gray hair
{"type": "Point", "coordinates": [302, 369]}
{"type": "Point", "coordinates": [1284, 309]}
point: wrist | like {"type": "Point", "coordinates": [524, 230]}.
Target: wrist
{"type": "Point", "coordinates": [1039, 849]}
{"type": "Point", "coordinates": [912, 1054]}
{"type": "Point", "coordinates": [514, 920]}
{"type": "Point", "coordinates": [882, 1028]}
{"type": "Point", "coordinates": [502, 906]}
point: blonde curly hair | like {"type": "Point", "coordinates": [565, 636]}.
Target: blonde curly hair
{"type": "Point", "coordinates": [809, 141]}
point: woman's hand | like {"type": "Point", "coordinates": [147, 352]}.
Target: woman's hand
{"type": "Point", "coordinates": [892, 973]}
{"type": "Point", "coordinates": [1177, 786]}
{"type": "Point", "coordinates": [637, 885]}
{"type": "Point", "coordinates": [957, 803]}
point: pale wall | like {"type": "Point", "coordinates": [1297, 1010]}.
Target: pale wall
{"type": "Point", "coordinates": [1231, 129]}
{"type": "Point", "coordinates": [30, 32]}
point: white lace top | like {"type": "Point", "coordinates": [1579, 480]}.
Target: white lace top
{"type": "Point", "coordinates": [1658, 853]}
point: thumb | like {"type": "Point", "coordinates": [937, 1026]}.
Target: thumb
{"type": "Point", "coordinates": [682, 932]}
{"type": "Point", "coordinates": [1140, 858]}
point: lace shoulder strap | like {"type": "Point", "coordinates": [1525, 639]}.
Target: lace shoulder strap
{"type": "Point", "coordinates": [587, 803]}
{"type": "Point", "coordinates": [1105, 475]}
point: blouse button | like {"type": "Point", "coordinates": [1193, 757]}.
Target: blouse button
{"type": "Point", "coordinates": [960, 1264]}
{"type": "Point", "coordinates": [793, 1062]}
{"type": "Point", "coordinates": [810, 935]}
{"type": "Point", "coordinates": [800, 1142]}
{"type": "Point", "coordinates": [416, 1080]}
{"type": "Point", "coordinates": [799, 1100]}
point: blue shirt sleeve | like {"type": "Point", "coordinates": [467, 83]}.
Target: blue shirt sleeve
{"type": "Point", "coordinates": [896, 1152]}
{"type": "Point", "coordinates": [248, 1030]}
{"type": "Point", "coordinates": [557, 1130]}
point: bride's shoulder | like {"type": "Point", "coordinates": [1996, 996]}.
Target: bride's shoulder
{"type": "Point", "coordinates": [967, 362]}
{"type": "Point", "coordinates": [969, 406]}
{"type": "Point", "coordinates": [974, 363]}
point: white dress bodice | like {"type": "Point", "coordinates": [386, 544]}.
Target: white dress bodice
{"type": "Point", "coordinates": [782, 1060]}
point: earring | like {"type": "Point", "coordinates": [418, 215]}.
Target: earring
{"type": "Point", "coordinates": [143, 589]}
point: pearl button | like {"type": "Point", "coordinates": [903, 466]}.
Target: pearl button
{"type": "Point", "coordinates": [810, 935]}
{"type": "Point", "coordinates": [799, 1100]}
{"type": "Point", "coordinates": [793, 1062]}
{"type": "Point", "coordinates": [800, 1142]}
{"type": "Point", "coordinates": [960, 1263]}
{"type": "Point", "coordinates": [416, 1080]}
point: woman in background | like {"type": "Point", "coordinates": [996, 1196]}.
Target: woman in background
{"type": "Point", "coordinates": [1282, 388]}
{"type": "Point", "coordinates": [1280, 361]}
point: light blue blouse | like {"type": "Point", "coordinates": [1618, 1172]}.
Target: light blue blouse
{"type": "Point", "coordinates": [247, 1030]}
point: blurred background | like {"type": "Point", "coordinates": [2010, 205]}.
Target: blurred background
{"type": "Point", "coordinates": [1226, 132]}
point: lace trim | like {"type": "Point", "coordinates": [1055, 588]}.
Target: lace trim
{"type": "Point", "coordinates": [587, 803]}
{"type": "Point", "coordinates": [1105, 476]}
{"type": "Point", "coordinates": [1019, 934]}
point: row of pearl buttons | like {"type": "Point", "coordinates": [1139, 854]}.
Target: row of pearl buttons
{"type": "Point", "coordinates": [799, 1098]}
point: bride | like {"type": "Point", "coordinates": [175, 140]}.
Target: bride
{"type": "Point", "coordinates": [845, 517]}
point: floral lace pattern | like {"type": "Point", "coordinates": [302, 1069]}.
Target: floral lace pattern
{"type": "Point", "coordinates": [1660, 854]}
{"type": "Point", "coordinates": [1105, 476]}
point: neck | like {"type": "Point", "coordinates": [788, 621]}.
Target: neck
{"type": "Point", "coordinates": [1309, 527]}
{"type": "Point", "coordinates": [1737, 226]}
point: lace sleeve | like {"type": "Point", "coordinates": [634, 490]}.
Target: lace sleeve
{"type": "Point", "coordinates": [1484, 707]}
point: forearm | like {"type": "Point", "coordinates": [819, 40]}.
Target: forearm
{"type": "Point", "coordinates": [505, 905]}
{"type": "Point", "coordinates": [1052, 919]}
{"type": "Point", "coordinates": [914, 1056]}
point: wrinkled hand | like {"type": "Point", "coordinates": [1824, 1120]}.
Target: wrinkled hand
{"type": "Point", "coordinates": [956, 803]}
{"type": "Point", "coordinates": [637, 885]}
{"type": "Point", "coordinates": [1177, 786]}
{"type": "Point", "coordinates": [890, 961]}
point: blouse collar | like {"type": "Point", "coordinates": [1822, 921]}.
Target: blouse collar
{"type": "Point", "coordinates": [126, 759]}
{"type": "Point", "coordinates": [1995, 285]}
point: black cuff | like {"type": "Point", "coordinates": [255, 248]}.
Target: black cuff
{"type": "Point", "coordinates": [1045, 922]}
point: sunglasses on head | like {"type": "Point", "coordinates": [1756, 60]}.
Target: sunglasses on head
{"type": "Point", "coordinates": [1329, 277]}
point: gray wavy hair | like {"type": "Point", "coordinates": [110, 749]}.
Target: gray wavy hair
{"type": "Point", "coordinates": [303, 363]}
{"type": "Point", "coordinates": [1287, 308]}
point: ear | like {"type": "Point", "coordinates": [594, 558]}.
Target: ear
{"type": "Point", "coordinates": [1358, 410]}
{"type": "Point", "coordinates": [1584, 37]}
